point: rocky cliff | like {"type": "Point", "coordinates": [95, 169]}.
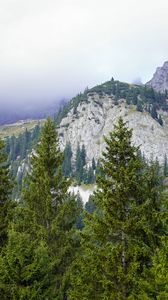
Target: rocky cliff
{"type": "Point", "coordinates": [95, 117]}
{"type": "Point", "coordinates": [159, 80]}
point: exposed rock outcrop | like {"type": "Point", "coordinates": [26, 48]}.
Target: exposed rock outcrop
{"type": "Point", "coordinates": [96, 117]}
{"type": "Point", "coordinates": [159, 80]}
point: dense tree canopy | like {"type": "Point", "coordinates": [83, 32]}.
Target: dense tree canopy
{"type": "Point", "coordinates": [121, 236]}
{"type": "Point", "coordinates": [50, 248]}
{"type": "Point", "coordinates": [42, 236]}
{"type": "Point", "coordinates": [6, 204]}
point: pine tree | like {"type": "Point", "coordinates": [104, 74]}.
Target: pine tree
{"type": "Point", "coordinates": [165, 167]}
{"type": "Point", "coordinates": [90, 176]}
{"type": "Point", "coordinates": [128, 101]}
{"type": "Point", "coordinates": [6, 203]}
{"type": "Point", "coordinates": [26, 264]}
{"type": "Point", "coordinates": [42, 236]}
{"type": "Point", "coordinates": [67, 166]}
{"type": "Point", "coordinates": [79, 223]}
{"type": "Point", "coordinates": [154, 113]}
{"type": "Point", "coordinates": [159, 286]}
{"type": "Point", "coordinates": [121, 236]}
{"type": "Point", "coordinates": [83, 155]}
{"type": "Point", "coordinates": [139, 106]}
{"type": "Point", "coordinates": [93, 164]}
{"type": "Point", "coordinates": [79, 167]}
{"type": "Point", "coordinates": [80, 172]}
{"type": "Point", "coordinates": [160, 120]}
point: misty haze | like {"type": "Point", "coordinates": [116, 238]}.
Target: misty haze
{"type": "Point", "coordinates": [52, 50]}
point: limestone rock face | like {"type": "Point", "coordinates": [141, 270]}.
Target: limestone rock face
{"type": "Point", "coordinates": [96, 117]}
{"type": "Point", "coordinates": [160, 78]}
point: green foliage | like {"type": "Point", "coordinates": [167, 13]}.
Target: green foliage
{"type": "Point", "coordinates": [165, 167]}
{"type": "Point", "coordinates": [160, 121]}
{"type": "Point", "coordinates": [67, 164]}
{"type": "Point", "coordinates": [145, 98]}
{"type": "Point", "coordinates": [72, 104]}
{"type": "Point", "coordinates": [80, 174]}
{"type": "Point", "coordinates": [154, 112]}
{"type": "Point", "coordinates": [93, 164]}
{"type": "Point", "coordinates": [6, 203]}
{"type": "Point", "coordinates": [139, 106]}
{"type": "Point", "coordinates": [90, 176]}
{"type": "Point", "coordinates": [25, 267]}
{"type": "Point", "coordinates": [19, 147]}
{"type": "Point", "coordinates": [90, 206]}
{"type": "Point", "coordinates": [83, 173]}
{"type": "Point", "coordinates": [79, 223]}
{"type": "Point", "coordinates": [121, 236]}
{"type": "Point", "coordinates": [158, 287]}
{"type": "Point", "coordinates": [42, 239]}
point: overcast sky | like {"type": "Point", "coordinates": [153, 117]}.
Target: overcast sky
{"type": "Point", "coordinates": [52, 49]}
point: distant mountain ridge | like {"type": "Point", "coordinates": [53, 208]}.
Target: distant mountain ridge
{"type": "Point", "coordinates": [13, 114]}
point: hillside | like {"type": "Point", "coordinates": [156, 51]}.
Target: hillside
{"type": "Point", "coordinates": [18, 128]}
{"type": "Point", "coordinates": [91, 115]}
{"type": "Point", "coordinates": [86, 119]}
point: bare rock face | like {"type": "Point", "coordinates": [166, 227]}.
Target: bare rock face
{"type": "Point", "coordinates": [160, 78]}
{"type": "Point", "coordinates": [95, 118]}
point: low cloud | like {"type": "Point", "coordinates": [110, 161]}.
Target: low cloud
{"type": "Point", "coordinates": [52, 49]}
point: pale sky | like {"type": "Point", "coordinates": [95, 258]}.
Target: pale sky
{"type": "Point", "coordinates": [52, 49]}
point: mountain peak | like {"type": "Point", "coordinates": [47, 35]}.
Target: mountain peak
{"type": "Point", "coordinates": [159, 80]}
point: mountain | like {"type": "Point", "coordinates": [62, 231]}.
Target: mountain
{"type": "Point", "coordinates": [83, 122]}
{"type": "Point", "coordinates": [159, 80]}
{"type": "Point", "coordinates": [91, 115]}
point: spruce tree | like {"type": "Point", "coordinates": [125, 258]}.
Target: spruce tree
{"type": "Point", "coordinates": [165, 166]}
{"type": "Point", "coordinates": [80, 157]}
{"type": "Point", "coordinates": [6, 203]}
{"type": "Point", "coordinates": [93, 164]}
{"type": "Point", "coordinates": [121, 236]}
{"type": "Point", "coordinates": [67, 166]}
{"type": "Point", "coordinates": [139, 106]}
{"type": "Point", "coordinates": [83, 155]}
{"type": "Point", "coordinates": [159, 286]}
{"type": "Point", "coordinates": [42, 235]}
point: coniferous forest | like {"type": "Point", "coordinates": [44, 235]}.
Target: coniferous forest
{"type": "Point", "coordinates": [114, 247]}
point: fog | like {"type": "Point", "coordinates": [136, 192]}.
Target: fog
{"type": "Point", "coordinates": [53, 49]}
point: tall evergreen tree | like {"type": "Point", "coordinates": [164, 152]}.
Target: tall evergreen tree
{"type": "Point", "coordinates": [139, 106]}
{"type": "Point", "coordinates": [154, 113]}
{"type": "Point", "coordinates": [165, 167]}
{"type": "Point", "coordinates": [93, 164]}
{"type": "Point", "coordinates": [80, 163]}
{"type": "Point", "coordinates": [42, 236]}
{"type": "Point", "coordinates": [83, 155]}
{"type": "Point", "coordinates": [121, 236]}
{"type": "Point", "coordinates": [67, 166]}
{"type": "Point", "coordinates": [6, 203]}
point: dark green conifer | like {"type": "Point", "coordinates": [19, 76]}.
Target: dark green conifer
{"type": "Point", "coordinates": [165, 167]}
{"type": "Point", "coordinates": [154, 113]}
{"type": "Point", "coordinates": [139, 106]}
{"type": "Point", "coordinates": [80, 172]}
{"type": "Point", "coordinates": [121, 236]}
{"type": "Point", "coordinates": [6, 203]}
{"type": "Point", "coordinates": [93, 164]}
{"type": "Point", "coordinates": [42, 237]}
{"type": "Point", "coordinates": [160, 120]}
{"type": "Point", "coordinates": [67, 166]}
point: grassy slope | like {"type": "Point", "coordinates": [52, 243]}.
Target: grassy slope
{"type": "Point", "coordinates": [18, 128]}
